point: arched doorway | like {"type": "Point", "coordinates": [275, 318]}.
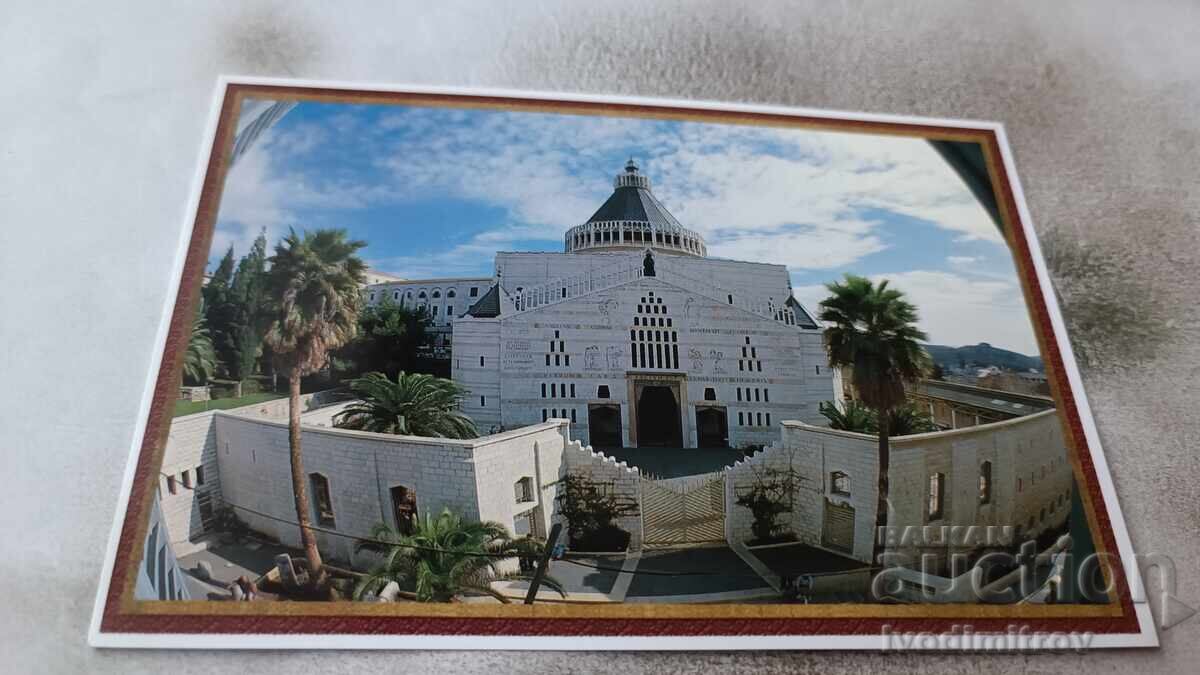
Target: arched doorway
{"type": "Point", "coordinates": [658, 423]}
{"type": "Point", "coordinates": [604, 426]}
{"type": "Point", "coordinates": [712, 427]}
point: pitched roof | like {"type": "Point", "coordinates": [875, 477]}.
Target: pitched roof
{"type": "Point", "coordinates": [487, 307]}
{"type": "Point", "coordinates": [632, 200]}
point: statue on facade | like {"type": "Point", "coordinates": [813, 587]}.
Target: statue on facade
{"type": "Point", "coordinates": [648, 265]}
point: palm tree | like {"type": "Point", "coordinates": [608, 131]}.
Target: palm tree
{"type": "Point", "coordinates": [200, 360]}
{"type": "Point", "coordinates": [447, 557]}
{"type": "Point", "coordinates": [414, 405]}
{"type": "Point", "coordinates": [852, 416]}
{"type": "Point", "coordinates": [872, 330]}
{"type": "Point", "coordinates": [313, 301]}
{"type": "Point", "coordinates": [905, 419]}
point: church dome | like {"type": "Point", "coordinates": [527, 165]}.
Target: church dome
{"type": "Point", "coordinates": [633, 218]}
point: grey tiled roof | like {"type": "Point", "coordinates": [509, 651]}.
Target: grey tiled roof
{"type": "Point", "coordinates": [636, 204]}
{"type": "Point", "coordinates": [487, 307]}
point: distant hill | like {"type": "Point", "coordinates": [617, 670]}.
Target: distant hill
{"type": "Point", "coordinates": [981, 355]}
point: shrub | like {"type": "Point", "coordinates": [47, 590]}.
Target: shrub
{"type": "Point", "coordinates": [590, 511]}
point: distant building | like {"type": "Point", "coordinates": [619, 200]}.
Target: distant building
{"type": "Point", "coordinates": [372, 277]}
{"type": "Point", "coordinates": [954, 406]}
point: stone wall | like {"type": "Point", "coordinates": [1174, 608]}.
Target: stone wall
{"type": "Point", "coordinates": [188, 475]}
{"type": "Point", "coordinates": [1031, 480]}
{"type": "Point", "coordinates": [621, 480]}
{"type": "Point", "coordinates": [809, 457]}
{"type": "Point", "coordinates": [474, 478]}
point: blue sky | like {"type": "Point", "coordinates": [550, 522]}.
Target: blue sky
{"type": "Point", "coordinates": [437, 191]}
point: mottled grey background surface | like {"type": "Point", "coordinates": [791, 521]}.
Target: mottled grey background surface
{"type": "Point", "coordinates": [102, 106]}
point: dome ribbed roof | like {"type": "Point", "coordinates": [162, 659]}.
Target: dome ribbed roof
{"type": "Point", "coordinates": [632, 200]}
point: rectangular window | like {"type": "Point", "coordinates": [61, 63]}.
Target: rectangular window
{"type": "Point", "coordinates": [556, 360]}
{"type": "Point", "coordinates": [566, 359]}
{"type": "Point", "coordinates": [171, 488]}
{"type": "Point", "coordinates": [739, 393]}
{"type": "Point", "coordinates": [200, 475]}
{"type": "Point", "coordinates": [756, 394]}
{"type": "Point", "coordinates": [544, 416]}
{"type": "Point", "coordinates": [482, 402]}
{"type": "Point", "coordinates": [758, 416]}
{"type": "Point", "coordinates": [553, 390]}
{"type": "Point", "coordinates": [187, 478]}
{"type": "Point", "coordinates": [474, 291]}
{"type": "Point", "coordinates": [741, 421]}
{"type": "Point", "coordinates": [937, 487]}
{"type": "Point", "coordinates": [985, 483]}
{"type": "Point", "coordinates": [766, 395]}
{"type": "Point", "coordinates": [573, 415]}
{"type": "Point", "coordinates": [481, 362]}
{"type": "Point", "coordinates": [524, 490]}
{"type": "Point", "coordinates": [450, 310]}
{"type": "Point", "coordinates": [543, 390]}
{"type": "Point", "coordinates": [839, 483]}
{"type": "Point", "coordinates": [572, 390]}
{"type": "Point", "coordinates": [435, 310]}
{"type": "Point", "coordinates": [768, 419]}
{"type": "Point", "coordinates": [322, 499]}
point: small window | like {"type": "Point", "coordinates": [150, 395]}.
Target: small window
{"type": "Point", "coordinates": [547, 359]}
{"type": "Point", "coordinates": [187, 478]}
{"type": "Point", "coordinates": [768, 419]}
{"type": "Point", "coordinates": [322, 502]}
{"type": "Point", "coordinates": [602, 391]}
{"type": "Point", "coordinates": [544, 416]}
{"type": "Point", "coordinates": [450, 293]}
{"type": "Point", "coordinates": [566, 359]}
{"type": "Point", "coordinates": [553, 390]}
{"type": "Point", "coordinates": [435, 310]}
{"type": "Point", "coordinates": [437, 294]}
{"type": "Point", "coordinates": [985, 483]}
{"type": "Point", "coordinates": [937, 487]}
{"type": "Point", "coordinates": [395, 295]}
{"type": "Point", "coordinates": [818, 369]}
{"type": "Point", "coordinates": [372, 296]}
{"type": "Point", "coordinates": [524, 490]}
{"type": "Point", "coordinates": [739, 393]}
{"type": "Point", "coordinates": [543, 390]}
{"type": "Point", "coordinates": [573, 415]}
{"type": "Point", "coordinates": [475, 291]}
{"type": "Point", "coordinates": [171, 487]}
{"type": "Point", "coordinates": [200, 475]}
{"type": "Point", "coordinates": [710, 394]}
{"type": "Point", "coordinates": [766, 395]}
{"type": "Point", "coordinates": [741, 420]}
{"type": "Point", "coordinates": [482, 402]}
{"type": "Point", "coordinates": [481, 362]}
{"type": "Point", "coordinates": [839, 483]}
{"type": "Point", "coordinates": [450, 310]}
{"type": "Point", "coordinates": [572, 389]}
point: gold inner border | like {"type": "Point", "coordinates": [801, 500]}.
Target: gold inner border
{"type": "Point", "coordinates": [203, 229]}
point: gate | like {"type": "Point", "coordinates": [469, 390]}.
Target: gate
{"type": "Point", "coordinates": [837, 532]}
{"type": "Point", "coordinates": [683, 512]}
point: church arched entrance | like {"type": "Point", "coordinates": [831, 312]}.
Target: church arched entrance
{"type": "Point", "coordinates": [658, 423]}
{"type": "Point", "coordinates": [604, 426]}
{"type": "Point", "coordinates": [712, 427]}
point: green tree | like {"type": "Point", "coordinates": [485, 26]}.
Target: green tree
{"type": "Point", "coordinates": [312, 307]}
{"type": "Point", "coordinates": [852, 416]}
{"type": "Point", "coordinates": [221, 312]}
{"type": "Point", "coordinates": [414, 404]}
{"type": "Point", "coordinates": [872, 329]}
{"type": "Point", "coordinates": [200, 361]}
{"type": "Point", "coordinates": [448, 557]}
{"type": "Point", "coordinates": [247, 295]}
{"type": "Point", "coordinates": [906, 419]}
{"type": "Point", "coordinates": [389, 337]}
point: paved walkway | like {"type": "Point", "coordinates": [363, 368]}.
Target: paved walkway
{"type": "Point", "coordinates": [251, 559]}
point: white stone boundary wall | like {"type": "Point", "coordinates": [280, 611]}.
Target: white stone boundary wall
{"type": "Point", "coordinates": [362, 468]}
{"type": "Point", "coordinates": [623, 481]}
{"type": "Point", "coordinates": [189, 457]}
{"type": "Point", "coordinates": [1030, 478]}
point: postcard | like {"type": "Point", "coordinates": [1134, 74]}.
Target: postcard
{"type": "Point", "coordinates": [451, 368]}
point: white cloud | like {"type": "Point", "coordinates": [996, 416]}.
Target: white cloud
{"type": "Point", "coordinates": [955, 310]}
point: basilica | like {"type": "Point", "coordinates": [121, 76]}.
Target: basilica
{"type": "Point", "coordinates": [632, 333]}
